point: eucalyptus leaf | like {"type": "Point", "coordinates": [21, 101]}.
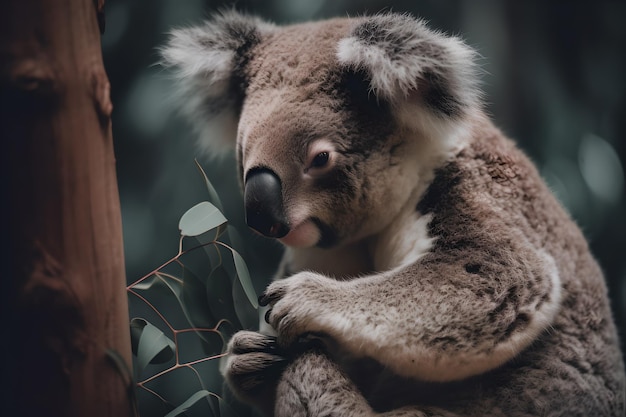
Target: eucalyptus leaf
{"type": "Point", "coordinates": [247, 315]}
{"type": "Point", "coordinates": [136, 328]}
{"type": "Point", "coordinates": [152, 346]}
{"type": "Point", "coordinates": [146, 284]}
{"type": "Point", "coordinates": [213, 198]}
{"type": "Point", "coordinates": [212, 343]}
{"type": "Point", "coordinates": [212, 193]}
{"type": "Point", "coordinates": [190, 402]}
{"type": "Point", "coordinates": [226, 330]}
{"type": "Point", "coordinates": [194, 300]}
{"type": "Point", "coordinates": [212, 252]}
{"type": "Point", "coordinates": [214, 404]}
{"type": "Point", "coordinates": [244, 279]}
{"type": "Point", "coordinates": [161, 283]}
{"type": "Point", "coordinates": [176, 287]}
{"type": "Point", "coordinates": [234, 238]}
{"type": "Point", "coordinates": [220, 231]}
{"type": "Point", "coordinates": [200, 219]}
{"type": "Point", "coordinates": [219, 294]}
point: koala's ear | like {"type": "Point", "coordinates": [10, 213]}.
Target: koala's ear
{"type": "Point", "coordinates": [208, 62]}
{"type": "Point", "coordinates": [406, 63]}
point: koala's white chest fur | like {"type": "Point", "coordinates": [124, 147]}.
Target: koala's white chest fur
{"type": "Point", "coordinates": [402, 236]}
{"type": "Point", "coordinates": [404, 242]}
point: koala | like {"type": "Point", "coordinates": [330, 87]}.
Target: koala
{"type": "Point", "coordinates": [428, 270]}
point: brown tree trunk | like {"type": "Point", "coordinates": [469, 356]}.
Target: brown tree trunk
{"type": "Point", "coordinates": [65, 313]}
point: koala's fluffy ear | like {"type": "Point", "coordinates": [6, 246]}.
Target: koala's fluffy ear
{"type": "Point", "coordinates": [209, 62]}
{"type": "Point", "coordinates": [407, 62]}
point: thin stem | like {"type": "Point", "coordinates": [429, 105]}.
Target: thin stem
{"type": "Point", "coordinates": [195, 371]}
{"type": "Point", "coordinates": [156, 394]}
{"type": "Point", "coordinates": [181, 365]}
{"type": "Point", "coordinates": [170, 276]}
{"type": "Point", "coordinates": [198, 329]}
{"type": "Point", "coordinates": [176, 258]}
{"type": "Point", "coordinates": [156, 310]}
{"type": "Point", "coordinates": [164, 276]}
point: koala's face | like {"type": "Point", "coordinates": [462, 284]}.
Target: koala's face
{"type": "Point", "coordinates": [330, 124]}
{"type": "Point", "coordinates": [311, 139]}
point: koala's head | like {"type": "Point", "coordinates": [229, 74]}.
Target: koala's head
{"type": "Point", "coordinates": [334, 122]}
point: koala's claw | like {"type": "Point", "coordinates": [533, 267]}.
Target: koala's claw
{"type": "Point", "coordinates": [293, 303]}
{"type": "Point", "coordinates": [255, 362]}
{"type": "Point", "coordinates": [263, 300]}
{"type": "Point", "coordinates": [248, 342]}
{"type": "Point", "coordinates": [270, 297]}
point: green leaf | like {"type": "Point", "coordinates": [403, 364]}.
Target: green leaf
{"type": "Point", "coordinates": [219, 294]}
{"type": "Point", "coordinates": [212, 252]}
{"type": "Point", "coordinates": [244, 279]}
{"type": "Point", "coordinates": [220, 231]}
{"type": "Point", "coordinates": [150, 344]}
{"type": "Point", "coordinates": [136, 328]}
{"type": "Point", "coordinates": [226, 330]}
{"type": "Point", "coordinates": [160, 283]}
{"type": "Point", "coordinates": [233, 236]}
{"type": "Point", "coordinates": [190, 402]}
{"type": "Point", "coordinates": [146, 284]}
{"type": "Point", "coordinates": [194, 300]}
{"type": "Point", "coordinates": [195, 305]}
{"type": "Point", "coordinates": [200, 219]}
{"type": "Point", "coordinates": [247, 315]}
{"type": "Point", "coordinates": [212, 193]}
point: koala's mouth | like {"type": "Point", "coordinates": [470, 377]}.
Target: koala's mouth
{"type": "Point", "coordinates": [303, 235]}
{"type": "Point", "coordinates": [311, 232]}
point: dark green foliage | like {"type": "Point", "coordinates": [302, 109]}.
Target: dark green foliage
{"type": "Point", "coordinates": [212, 304]}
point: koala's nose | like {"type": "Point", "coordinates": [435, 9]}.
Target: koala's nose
{"type": "Point", "coordinates": [264, 203]}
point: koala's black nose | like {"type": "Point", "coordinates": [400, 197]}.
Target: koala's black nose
{"type": "Point", "coordinates": [264, 203]}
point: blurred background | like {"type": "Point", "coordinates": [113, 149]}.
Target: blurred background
{"type": "Point", "coordinates": [554, 78]}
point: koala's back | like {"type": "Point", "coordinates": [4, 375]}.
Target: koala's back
{"type": "Point", "coordinates": [578, 354]}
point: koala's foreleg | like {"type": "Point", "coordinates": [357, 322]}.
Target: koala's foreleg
{"type": "Point", "coordinates": [294, 384]}
{"type": "Point", "coordinates": [443, 318]}
{"type": "Point", "coordinates": [314, 386]}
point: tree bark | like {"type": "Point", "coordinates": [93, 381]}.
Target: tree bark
{"type": "Point", "coordinates": [63, 294]}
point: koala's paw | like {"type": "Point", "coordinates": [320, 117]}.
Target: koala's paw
{"type": "Point", "coordinates": [296, 303]}
{"type": "Point", "coordinates": [253, 365]}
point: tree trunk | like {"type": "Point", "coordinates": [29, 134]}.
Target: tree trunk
{"type": "Point", "coordinates": [63, 293]}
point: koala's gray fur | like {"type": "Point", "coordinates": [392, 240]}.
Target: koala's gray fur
{"type": "Point", "coordinates": [424, 252]}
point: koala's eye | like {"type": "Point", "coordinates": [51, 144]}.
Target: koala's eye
{"type": "Point", "coordinates": [320, 160]}
{"type": "Point", "coordinates": [321, 157]}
